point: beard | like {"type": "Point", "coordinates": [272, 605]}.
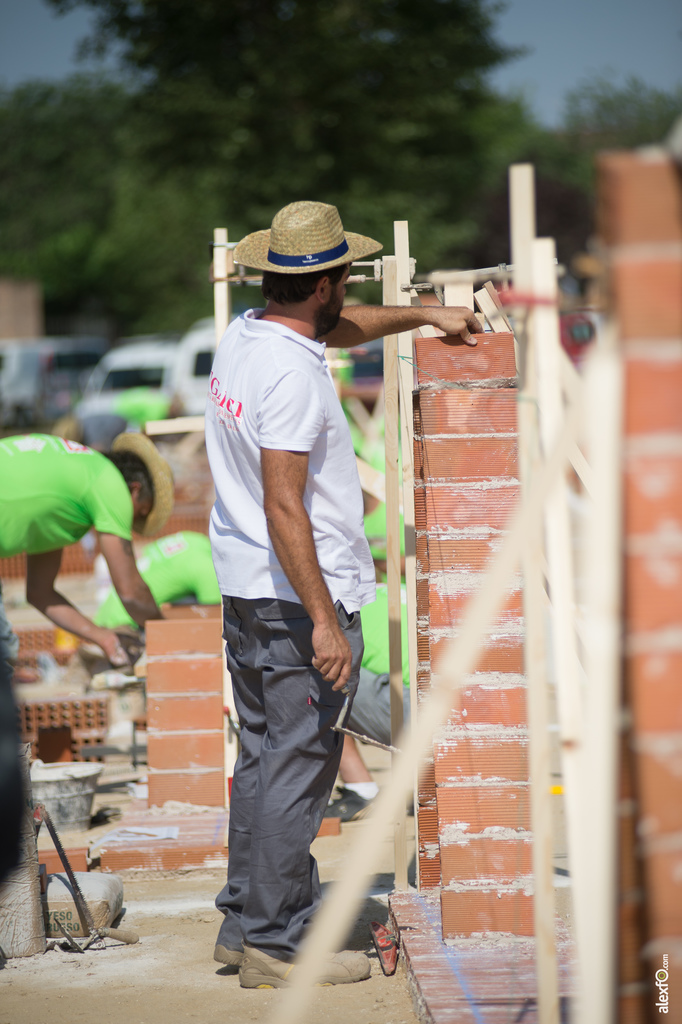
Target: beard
{"type": "Point", "coordinates": [327, 318]}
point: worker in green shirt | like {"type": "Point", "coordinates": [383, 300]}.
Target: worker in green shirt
{"type": "Point", "coordinates": [173, 568]}
{"type": "Point", "coordinates": [52, 491]}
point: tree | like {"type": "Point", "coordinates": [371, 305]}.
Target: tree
{"type": "Point", "coordinates": [600, 114]}
{"type": "Point", "coordinates": [379, 106]}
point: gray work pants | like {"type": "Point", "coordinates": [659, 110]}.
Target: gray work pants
{"type": "Point", "coordinates": [284, 774]}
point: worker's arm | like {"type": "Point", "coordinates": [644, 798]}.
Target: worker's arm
{"type": "Point", "coordinates": [41, 572]}
{"type": "Point", "coordinates": [360, 324]}
{"type": "Point", "coordinates": [135, 595]}
{"type": "Point", "coordinates": [284, 479]}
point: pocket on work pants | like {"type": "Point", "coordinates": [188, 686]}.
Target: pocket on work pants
{"type": "Point", "coordinates": [232, 627]}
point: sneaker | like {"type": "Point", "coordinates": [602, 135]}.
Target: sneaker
{"type": "Point", "coordinates": [350, 806]}
{"type": "Point", "coordinates": [228, 957]}
{"type": "Point", "coordinates": [260, 970]}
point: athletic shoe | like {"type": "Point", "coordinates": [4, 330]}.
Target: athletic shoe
{"type": "Point", "coordinates": [350, 806]}
{"type": "Point", "coordinates": [228, 957]}
{"type": "Point", "coordinates": [260, 970]}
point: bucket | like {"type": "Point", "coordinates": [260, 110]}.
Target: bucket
{"type": "Point", "coordinates": [67, 791]}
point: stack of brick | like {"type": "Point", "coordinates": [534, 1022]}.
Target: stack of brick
{"type": "Point", "coordinates": [185, 743]}
{"type": "Point", "coordinates": [640, 224]}
{"type": "Point", "coordinates": [473, 815]}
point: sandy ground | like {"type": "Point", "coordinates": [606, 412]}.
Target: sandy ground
{"type": "Point", "coordinates": [170, 976]}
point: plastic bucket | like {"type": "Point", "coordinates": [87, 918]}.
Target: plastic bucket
{"type": "Point", "coordinates": [67, 791]}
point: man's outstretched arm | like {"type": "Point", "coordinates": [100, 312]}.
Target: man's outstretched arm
{"type": "Point", "coordinates": [360, 324]}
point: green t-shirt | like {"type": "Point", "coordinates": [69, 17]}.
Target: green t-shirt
{"type": "Point", "coordinates": [374, 619]}
{"type": "Point", "coordinates": [140, 405]}
{"type": "Point", "coordinates": [172, 567]}
{"type": "Point", "coordinates": [375, 531]}
{"type": "Point", "coordinates": [52, 491]}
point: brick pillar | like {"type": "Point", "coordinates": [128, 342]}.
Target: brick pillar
{"type": "Point", "coordinates": [640, 224]}
{"type": "Point", "coordinates": [185, 711]}
{"type": "Point", "coordinates": [474, 815]}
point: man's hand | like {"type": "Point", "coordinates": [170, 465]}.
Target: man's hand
{"type": "Point", "coordinates": [332, 654]}
{"type": "Point", "coordinates": [114, 650]}
{"type": "Point", "coordinates": [456, 320]}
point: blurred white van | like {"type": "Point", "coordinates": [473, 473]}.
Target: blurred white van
{"type": "Point", "coordinates": [192, 369]}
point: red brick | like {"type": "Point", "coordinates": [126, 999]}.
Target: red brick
{"type": "Point", "coordinates": [167, 714]}
{"type": "Point", "coordinates": [488, 705]}
{"type": "Point", "coordinates": [648, 298]}
{"type": "Point", "coordinates": [663, 875]}
{"type": "Point", "coordinates": [640, 200]}
{"type": "Point", "coordinates": [427, 783]}
{"type": "Point", "coordinates": [157, 858]}
{"type": "Point", "coordinates": [633, 1009]}
{"type": "Point", "coordinates": [653, 591]}
{"type": "Point", "coordinates": [467, 912]}
{"type": "Point", "coordinates": [443, 555]}
{"type": "Point", "coordinates": [653, 493]}
{"type": "Point", "coordinates": [653, 389]}
{"type": "Point", "coordinates": [482, 411]}
{"type": "Point", "coordinates": [189, 786]}
{"type": "Point", "coordinates": [660, 790]}
{"type": "Point", "coordinates": [488, 757]}
{"type": "Point", "coordinates": [191, 611]}
{"type": "Point", "coordinates": [429, 871]}
{"type": "Point", "coordinates": [194, 750]}
{"type": "Point", "coordinates": [502, 859]}
{"type": "Point", "coordinates": [447, 609]}
{"type": "Point", "coordinates": [184, 636]}
{"type": "Point", "coordinates": [631, 939]}
{"type": "Point", "coordinates": [492, 358]}
{"type": "Point", "coordinates": [77, 856]}
{"type": "Point", "coordinates": [481, 807]}
{"type": "Point", "coordinates": [182, 675]}
{"type": "Point", "coordinates": [475, 458]}
{"type": "Point", "coordinates": [460, 508]}
{"type": "Point", "coordinates": [655, 683]}
{"type": "Point", "coordinates": [502, 654]}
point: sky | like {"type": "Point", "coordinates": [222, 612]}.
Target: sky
{"type": "Point", "coordinates": [568, 42]}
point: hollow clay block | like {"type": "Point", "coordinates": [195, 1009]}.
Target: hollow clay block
{"type": "Point", "coordinates": [103, 895]}
{"type": "Point", "coordinates": [22, 931]}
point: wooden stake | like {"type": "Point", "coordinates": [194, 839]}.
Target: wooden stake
{"type": "Point", "coordinates": [392, 443]}
{"type": "Point", "coordinates": [406, 388]}
{"type": "Point", "coordinates": [221, 303]}
{"type": "Point", "coordinates": [493, 315]}
{"type": "Point", "coordinates": [459, 293]}
{"type": "Point", "coordinates": [522, 216]}
{"type": "Point", "coordinates": [603, 407]}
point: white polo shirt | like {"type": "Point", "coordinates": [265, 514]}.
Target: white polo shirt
{"type": "Point", "coordinates": [271, 388]}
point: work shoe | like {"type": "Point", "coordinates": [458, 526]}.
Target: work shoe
{"type": "Point", "coordinates": [350, 806]}
{"type": "Point", "coordinates": [260, 970]}
{"type": "Point", "coordinates": [228, 957]}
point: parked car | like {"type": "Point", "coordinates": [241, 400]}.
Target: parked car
{"type": "Point", "coordinates": [41, 378]}
{"type": "Point", "coordinates": [145, 363]}
{"type": "Point", "coordinates": [192, 369]}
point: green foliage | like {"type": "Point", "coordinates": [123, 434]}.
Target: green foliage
{"type": "Point", "coordinates": [603, 115]}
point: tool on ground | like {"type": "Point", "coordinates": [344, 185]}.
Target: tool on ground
{"type": "Point", "coordinates": [340, 727]}
{"type": "Point", "coordinates": [87, 923]}
{"type": "Point", "coordinates": [386, 945]}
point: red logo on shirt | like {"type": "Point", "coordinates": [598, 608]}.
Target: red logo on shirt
{"type": "Point", "coordinates": [221, 400]}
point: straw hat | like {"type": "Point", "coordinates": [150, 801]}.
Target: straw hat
{"type": "Point", "coordinates": [161, 477]}
{"type": "Point", "coordinates": [304, 236]}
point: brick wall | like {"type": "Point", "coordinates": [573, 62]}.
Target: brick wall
{"type": "Point", "coordinates": [474, 815]}
{"type": "Point", "coordinates": [185, 711]}
{"type": "Point", "coordinates": [640, 224]}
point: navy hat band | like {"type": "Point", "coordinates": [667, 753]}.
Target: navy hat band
{"type": "Point", "coordinates": [309, 260]}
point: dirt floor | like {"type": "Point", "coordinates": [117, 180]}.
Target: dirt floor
{"type": "Point", "coordinates": [170, 976]}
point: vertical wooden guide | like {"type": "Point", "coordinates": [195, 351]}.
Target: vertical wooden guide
{"type": "Point", "coordinates": [222, 259]}
{"type": "Point", "coordinates": [522, 223]}
{"type": "Point", "coordinates": [392, 448]}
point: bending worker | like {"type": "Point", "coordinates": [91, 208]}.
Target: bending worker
{"type": "Point", "coordinates": [294, 569]}
{"type": "Point", "coordinates": [53, 490]}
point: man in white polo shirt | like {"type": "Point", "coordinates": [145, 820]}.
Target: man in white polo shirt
{"type": "Point", "coordinates": [294, 569]}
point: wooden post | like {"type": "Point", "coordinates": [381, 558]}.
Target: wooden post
{"type": "Point", "coordinates": [221, 289]}
{"type": "Point", "coordinates": [406, 388]}
{"type": "Point", "coordinates": [522, 216]}
{"type": "Point", "coordinates": [603, 527]}
{"type": "Point", "coordinates": [221, 303]}
{"type": "Point", "coordinates": [459, 293]}
{"type": "Point", "coordinates": [392, 443]}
